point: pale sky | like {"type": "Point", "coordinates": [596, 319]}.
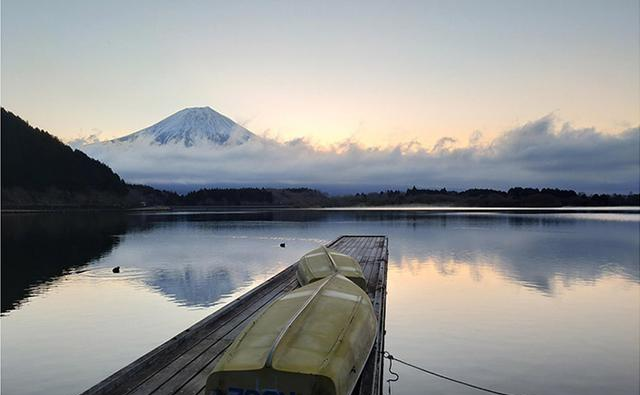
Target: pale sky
{"type": "Point", "coordinates": [378, 72]}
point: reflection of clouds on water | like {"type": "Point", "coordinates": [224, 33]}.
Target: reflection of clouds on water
{"type": "Point", "coordinates": [275, 238]}
{"type": "Point", "coordinates": [531, 250]}
{"type": "Point", "coordinates": [446, 268]}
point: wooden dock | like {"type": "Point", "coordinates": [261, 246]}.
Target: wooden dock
{"type": "Point", "coordinates": [182, 364]}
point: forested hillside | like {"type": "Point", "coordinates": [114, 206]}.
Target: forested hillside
{"type": "Point", "coordinates": [38, 169]}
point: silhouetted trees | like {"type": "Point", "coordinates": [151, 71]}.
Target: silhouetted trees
{"type": "Point", "coordinates": [476, 197]}
{"type": "Point", "coordinates": [33, 159]}
{"type": "Point", "coordinates": [297, 197]}
{"type": "Point", "coordinates": [228, 197]}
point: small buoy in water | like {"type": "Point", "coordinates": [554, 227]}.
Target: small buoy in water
{"type": "Point", "coordinates": [282, 245]}
{"type": "Point", "coordinates": [116, 269]}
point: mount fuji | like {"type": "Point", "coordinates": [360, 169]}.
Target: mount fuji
{"type": "Point", "coordinates": [194, 146]}
{"type": "Point", "coordinates": [191, 127]}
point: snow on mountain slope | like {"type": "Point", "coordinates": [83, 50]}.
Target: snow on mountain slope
{"type": "Point", "coordinates": [192, 126]}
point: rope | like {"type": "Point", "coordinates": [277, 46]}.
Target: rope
{"type": "Point", "coordinates": [391, 380]}
{"type": "Point", "coordinates": [391, 358]}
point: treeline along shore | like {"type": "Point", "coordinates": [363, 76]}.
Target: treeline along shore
{"type": "Point", "coordinates": [306, 197]}
{"type": "Point", "coordinates": [41, 172]}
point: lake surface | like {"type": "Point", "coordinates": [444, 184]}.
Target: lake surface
{"type": "Point", "coordinates": [522, 302]}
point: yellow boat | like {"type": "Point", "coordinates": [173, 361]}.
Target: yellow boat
{"type": "Point", "coordinates": [313, 340]}
{"type": "Point", "coordinates": [323, 262]}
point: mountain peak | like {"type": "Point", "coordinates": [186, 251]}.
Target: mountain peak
{"type": "Point", "coordinates": [192, 126]}
{"type": "Point", "coordinates": [205, 109]}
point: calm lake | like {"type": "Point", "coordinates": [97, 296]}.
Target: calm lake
{"type": "Point", "coordinates": [522, 302]}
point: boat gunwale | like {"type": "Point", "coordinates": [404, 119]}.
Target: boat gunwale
{"type": "Point", "coordinates": [304, 261]}
{"type": "Point", "coordinates": [333, 262]}
{"type": "Point", "coordinates": [285, 328]}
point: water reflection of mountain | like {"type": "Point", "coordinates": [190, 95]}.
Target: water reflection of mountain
{"type": "Point", "coordinates": [191, 286]}
{"type": "Point", "coordinates": [39, 248]}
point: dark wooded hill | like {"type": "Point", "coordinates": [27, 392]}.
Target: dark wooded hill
{"type": "Point", "coordinates": [39, 169]}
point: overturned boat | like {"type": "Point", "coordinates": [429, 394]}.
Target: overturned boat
{"type": "Point", "coordinates": [313, 340]}
{"type": "Point", "coordinates": [323, 262]}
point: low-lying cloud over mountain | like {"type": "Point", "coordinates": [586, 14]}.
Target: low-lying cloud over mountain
{"type": "Point", "coordinates": [539, 153]}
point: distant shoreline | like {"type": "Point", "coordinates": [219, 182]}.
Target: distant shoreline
{"type": "Point", "coordinates": [140, 198]}
{"type": "Point", "coordinates": [427, 208]}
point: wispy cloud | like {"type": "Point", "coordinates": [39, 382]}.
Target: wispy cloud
{"type": "Point", "coordinates": [539, 153]}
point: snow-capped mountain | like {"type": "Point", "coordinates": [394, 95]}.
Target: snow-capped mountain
{"type": "Point", "coordinates": [192, 126]}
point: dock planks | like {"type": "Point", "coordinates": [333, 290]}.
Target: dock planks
{"type": "Point", "coordinates": [181, 365]}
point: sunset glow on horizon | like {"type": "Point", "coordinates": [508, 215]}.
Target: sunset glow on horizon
{"type": "Point", "coordinates": [374, 73]}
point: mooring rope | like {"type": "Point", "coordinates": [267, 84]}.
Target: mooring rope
{"type": "Point", "coordinates": [391, 358]}
{"type": "Point", "coordinates": [391, 380]}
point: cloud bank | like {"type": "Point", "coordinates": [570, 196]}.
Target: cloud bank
{"type": "Point", "coordinates": [538, 153]}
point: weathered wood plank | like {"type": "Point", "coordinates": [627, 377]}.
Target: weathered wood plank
{"type": "Point", "coordinates": [138, 371]}
{"type": "Point", "coordinates": [209, 344]}
{"type": "Point", "coordinates": [370, 382]}
{"type": "Point", "coordinates": [379, 304]}
{"type": "Point", "coordinates": [346, 245]}
{"type": "Point", "coordinates": [182, 364]}
{"type": "Point", "coordinates": [369, 269]}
